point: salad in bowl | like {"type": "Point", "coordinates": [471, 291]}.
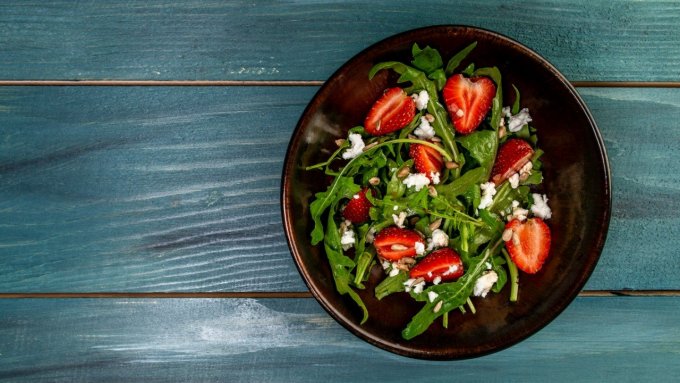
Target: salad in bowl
{"type": "Point", "coordinates": [445, 193]}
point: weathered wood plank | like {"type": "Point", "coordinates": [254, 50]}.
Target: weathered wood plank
{"type": "Point", "coordinates": [587, 40]}
{"type": "Point", "coordinates": [177, 189]}
{"type": "Point", "coordinates": [243, 340]}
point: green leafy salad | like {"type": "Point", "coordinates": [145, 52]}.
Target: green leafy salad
{"type": "Point", "coordinates": [437, 188]}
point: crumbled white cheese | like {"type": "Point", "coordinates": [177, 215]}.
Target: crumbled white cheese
{"type": "Point", "coordinates": [484, 284]}
{"type": "Point", "coordinates": [488, 265]}
{"type": "Point", "coordinates": [347, 240]}
{"type": "Point", "coordinates": [386, 264]}
{"type": "Point", "coordinates": [408, 284]}
{"type": "Point", "coordinates": [488, 191]}
{"type": "Point", "coordinates": [416, 180]}
{"type": "Point", "coordinates": [356, 148]}
{"type": "Point", "coordinates": [514, 180]}
{"type": "Point", "coordinates": [435, 177]}
{"type": "Point", "coordinates": [424, 131]}
{"type": "Point", "coordinates": [439, 239]}
{"type": "Point", "coordinates": [399, 219]}
{"type": "Point", "coordinates": [451, 270]}
{"type": "Point", "coordinates": [517, 212]}
{"type": "Point", "coordinates": [394, 271]}
{"type": "Point", "coordinates": [516, 122]}
{"type": "Point", "coordinates": [540, 207]}
{"type": "Point", "coordinates": [431, 295]}
{"type": "Point", "coordinates": [421, 99]}
{"type": "Point", "coordinates": [506, 111]}
{"type": "Point", "coordinates": [419, 287]}
{"type": "Point", "coordinates": [420, 248]}
{"type": "Point", "coordinates": [437, 280]}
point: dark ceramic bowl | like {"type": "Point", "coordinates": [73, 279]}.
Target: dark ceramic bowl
{"type": "Point", "coordinates": [577, 182]}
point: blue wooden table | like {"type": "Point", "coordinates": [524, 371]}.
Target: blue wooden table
{"type": "Point", "coordinates": [141, 147]}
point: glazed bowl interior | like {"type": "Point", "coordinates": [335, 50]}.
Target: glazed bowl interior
{"type": "Point", "coordinates": [576, 182]}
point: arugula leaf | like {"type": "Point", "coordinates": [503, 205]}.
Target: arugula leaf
{"type": "Point", "coordinates": [427, 59]}
{"type": "Point", "coordinates": [391, 285]}
{"type": "Point", "coordinates": [455, 61]}
{"type": "Point", "coordinates": [514, 277]}
{"type": "Point", "coordinates": [342, 187]}
{"type": "Point", "coordinates": [439, 78]}
{"type": "Point", "coordinates": [461, 185]}
{"type": "Point", "coordinates": [341, 265]}
{"type": "Point", "coordinates": [482, 146]}
{"type": "Point", "coordinates": [515, 105]}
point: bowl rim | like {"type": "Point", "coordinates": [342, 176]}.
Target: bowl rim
{"type": "Point", "coordinates": [553, 312]}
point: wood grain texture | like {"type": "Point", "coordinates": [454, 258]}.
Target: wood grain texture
{"type": "Point", "coordinates": [245, 340]}
{"type": "Point", "coordinates": [239, 40]}
{"type": "Point", "coordinates": [126, 189]}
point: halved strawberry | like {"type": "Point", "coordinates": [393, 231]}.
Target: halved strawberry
{"type": "Point", "coordinates": [443, 263]}
{"type": "Point", "coordinates": [511, 157]}
{"type": "Point", "coordinates": [426, 160]}
{"type": "Point", "coordinates": [394, 243]}
{"type": "Point", "coordinates": [393, 111]}
{"type": "Point", "coordinates": [529, 245]}
{"type": "Point", "coordinates": [468, 100]}
{"type": "Point", "coordinates": [358, 206]}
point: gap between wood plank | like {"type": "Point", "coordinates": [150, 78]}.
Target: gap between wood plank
{"type": "Point", "coordinates": [578, 84]}
{"type": "Point", "coordinates": [293, 295]}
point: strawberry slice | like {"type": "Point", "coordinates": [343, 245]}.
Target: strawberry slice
{"type": "Point", "coordinates": [358, 207]}
{"type": "Point", "coordinates": [511, 157]}
{"type": "Point", "coordinates": [393, 111]}
{"type": "Point", "coordinates": [468, 100]}
{"type": "Point", "coordinates": [529, 244]}
{"type": "Point", "coordinates": [394, 243]}
{"type": "Point", "coordinates": [443, 263]}
{"type": "Point", "coordinates": [427, 160]}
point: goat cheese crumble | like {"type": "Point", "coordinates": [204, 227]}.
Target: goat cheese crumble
{"type": "Point", "coordinates": [416, 180]}
{"type": "Point", "coordinates": [347, 240]}
{"type": "Point", "coordinates": [421, 99]}
{"type": "Point", "coordinates": [484, 284]}
{"type": "Point", "coordinates": [424, 131]}
{"type": "Point", "coordinates": [540, 207]}
{"type": "Point", "coordinates": [488, 191]}
{"type": "Point", "coordinates": [439, 239]}
{"type": "Point", "coordinates": [516, 122]}
{"type": "Point", "coordinates": [356, 148]}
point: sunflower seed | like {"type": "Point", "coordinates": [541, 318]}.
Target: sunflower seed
{"type": "Point", "coordinates": [340, 141]}
{"type": "Point", "coordinates": [451, 165]}
{"type": "Point", "coordinates": [429, 117]}
{"type": "Point", "coordinates": [403, 172]}
{"type": "Point", "coordinates": [438, 306]}
{"type": "Point", "coordinates": [370, 146]}
{"type": "Point", "coordinates": [374, 181]}
{"type": "Point", "coordinates": [507, 235]}
{"type": "Point", "coordinates": [435, 224]}
{"type": "Point", "coordinates": [432, 191]}
{"type": "Point", "coordinates": [398, 247]}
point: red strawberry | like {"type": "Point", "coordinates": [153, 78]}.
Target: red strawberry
{"type": "Point", "coordinates": [426, 159]}
{"type": "Point", "coordinates": [468, 100]}
{"type": "Point", "coordinates": [443, 263]}
{"type": "Point", "coordinates": [358, 206]}
{"type": "Point", "coordinates": [511, 157]}
{"type": "Point", "coordinates": [393, 111]}
{"type": "Point", "coordinates": [529, 245]}
{"type": "Point", "coordinates": [394, 243]}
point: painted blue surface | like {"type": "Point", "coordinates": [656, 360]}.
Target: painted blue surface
{"type": "Point", "coordinates": [238, 40]}
{"type": "Point", "coordinates": [294, 340]}
{"type": "Point", "coordinates": [157, 189]}
{"type": "Point", "coordinates": [177, 189]}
